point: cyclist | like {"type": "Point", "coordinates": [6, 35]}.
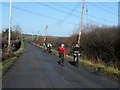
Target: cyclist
{"type": "Point", "coordinates": [49, 47]}
{"type": "Point", "coordinates": [62, 54]}
{"type": "Point", "coordinates": [44, 45]}
{"type": "Point", "coordinates": [76, 53]}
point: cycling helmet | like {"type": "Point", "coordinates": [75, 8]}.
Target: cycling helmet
{"type": "Point", "coordinates": [62, 45]}
{"type": "Point", "coordinates": [77, 45]}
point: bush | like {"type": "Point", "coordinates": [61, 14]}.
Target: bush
{"type": "Point", "coordinates": [10, 61]}
{"type": "Point", "coordinates": [101, 45]}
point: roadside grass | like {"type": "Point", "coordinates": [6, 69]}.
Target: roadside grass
{"type": "Point", "coordinates": [109, 71]}
{"type": "Point", "coordinates": [10, 61]}
{"type": "Point", "coordinates": [0, 70]}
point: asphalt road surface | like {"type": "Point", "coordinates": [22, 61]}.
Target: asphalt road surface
{"type": "Point", "coordinates": [38, 69]}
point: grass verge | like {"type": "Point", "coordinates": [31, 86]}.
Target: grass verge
{"type": "Point", "coordinates": [109, 71]}
{"type": "Point", "coordinates": [10, 61]}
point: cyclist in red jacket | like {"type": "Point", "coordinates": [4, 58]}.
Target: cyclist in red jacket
{"type": "Point", "coordinates": [62, 54]}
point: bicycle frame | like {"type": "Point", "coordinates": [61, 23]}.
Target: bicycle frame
{"type": "Point", "coordinates": [61, 59]}
{"type": "Point", "coordinates": [76, 56]}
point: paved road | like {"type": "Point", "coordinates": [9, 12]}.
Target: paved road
{"type": "Point", "coordinates": [38, 69]}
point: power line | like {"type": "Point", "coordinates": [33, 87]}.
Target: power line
{"type": "Point", "coordinates": [109, 8]}
{"type": "Point", "coordinates": [56, 9]}
{"type": "Point", "coordinates": [69, 14]}
{"type": "Point", "coordinates": [102, 8]}
{"type": "Point", "coordinates": [38, 14]}
{"type": "Point", "coordinates": [92, 16]}
{"type": "Point", "coordinates": [95, 17]}
{"type": "Point", "coordinates": [73, 14]}
{"type": "Point", "coordinates": [53, 18]}
{"type": "Point", "coordinates": [61, 6]}
{"type": "Point", "coordinates": [100, 18]}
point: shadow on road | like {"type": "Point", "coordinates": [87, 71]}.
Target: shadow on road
{"type": "Point", "coordinates": [72, 63]}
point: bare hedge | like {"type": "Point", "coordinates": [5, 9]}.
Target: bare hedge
{"type": "Point", "coordinates": [102, 44]}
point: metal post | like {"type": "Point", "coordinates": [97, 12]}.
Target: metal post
{"type": "Point", "coordinates": [10, 22]}
{"type": "Point", "coordinates": [81, 26]}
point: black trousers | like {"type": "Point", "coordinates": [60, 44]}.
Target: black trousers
{"type": "Point", "coordinates": [61, 57]}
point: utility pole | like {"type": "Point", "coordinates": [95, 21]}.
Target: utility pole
{"type": "Point", "coordinates": [81, 23]}
{"type": "Point", "coordinates": [87, 16]}
{"type": "Point", "coordinates": [10, 22]}
{"type": "Point", "coordinates": [45, 34]}
{"type": "Point", "coordinates": [32, 36]}
{"type": "Point", "coordinates": [37, 37]}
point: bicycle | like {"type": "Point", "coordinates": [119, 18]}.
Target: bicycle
{"type": "Point", "coordinates": [61, 59]}
{"type": "Point", "coordinates": [49, 49]}
{"type": "Point", "coordinates": [76, 57]}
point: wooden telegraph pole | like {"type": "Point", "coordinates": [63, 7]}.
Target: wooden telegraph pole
{"type": "Point", "coordinates": [10, 22]}
{"type": "Point", "coordinates": [81, 23]}
{"type": "Point", "coordinates": [45, 38]}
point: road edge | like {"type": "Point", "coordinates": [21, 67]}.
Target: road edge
{"type": "Point", "coordinates": [7, 64]}
{"type": "Point", "coordinates": [98, 68]}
